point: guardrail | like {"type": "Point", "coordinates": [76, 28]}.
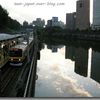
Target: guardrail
{"type": "Point", "coordinates": [30, 85]}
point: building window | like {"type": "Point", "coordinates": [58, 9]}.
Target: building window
{"type": "Point", "coordinates": [81, 5]}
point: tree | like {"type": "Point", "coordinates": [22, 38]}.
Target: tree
{"type": "Point", "coordinates": [3, 17]}
{"type": "Point", "coordinates": [13, 24]}
{"type": "Point", "coordinates": [7, 22]}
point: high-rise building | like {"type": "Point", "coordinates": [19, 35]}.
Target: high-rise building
{"type": "Point", "coordinates": [83, 14]}
{"type": "Point", "coordinates": [49, 23]}
{"type": "Point", "coordinates": [70, 21]}
{"type": "Point", "coordinates": [55, 21]}
{"type": "Point", "coordinates": [39, 22]}
{"type": "Point", "coordinates": [96, 14]}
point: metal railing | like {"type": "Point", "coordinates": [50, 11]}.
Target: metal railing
{"type": "Point", "coordinates": [30, 84]}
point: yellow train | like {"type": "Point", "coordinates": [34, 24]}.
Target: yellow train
{"type": "Point", "coordinates": [6, 42]}
{"type": "Point", "coordinates": [19, 52]}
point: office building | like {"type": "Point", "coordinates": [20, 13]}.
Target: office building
{"type": "Point", "coordinates": [96, 14]}
{"type": "Point", "coordinates": [55, 21]}
{"type": "Point", "coordinates": [49, 23]}
{"type": "Point", "coordinates": [39, 22]}
{"type": "Point", "coordinates": [70, 21]}
{"type": "Point", "coordinates": [83, 14]}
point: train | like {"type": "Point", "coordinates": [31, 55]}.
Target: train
{"type": "Point", "coordinates": [19, 52]}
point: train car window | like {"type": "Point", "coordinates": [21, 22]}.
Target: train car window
{"type": "Point", "coordinates": [15, 53]}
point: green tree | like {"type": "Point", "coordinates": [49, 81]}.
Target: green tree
{"type": "Point", "coordinates": [13, 24]}
{"type": "Point", "coordinates": [3, 17]}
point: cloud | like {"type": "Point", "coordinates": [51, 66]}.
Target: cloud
{"type": "Point", "coordinates": [69, 87]}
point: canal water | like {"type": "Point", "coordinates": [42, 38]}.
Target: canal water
{"type": "Point", "coordinates": [68, 69]}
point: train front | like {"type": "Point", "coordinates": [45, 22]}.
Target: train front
{"type": "Point", "coordinates": [15, 57]}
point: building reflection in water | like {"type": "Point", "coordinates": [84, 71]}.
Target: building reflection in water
{"type": "Point", "coordinates": [54, 48]}
{"type": "Point", "coordinates": [81, 61]}
{"type": "Point", "coordinates": [95, 66]}
{"type": "Point", "coordinates": [80, 56]}
{"type": "Point", "coordinates": [70, 53]}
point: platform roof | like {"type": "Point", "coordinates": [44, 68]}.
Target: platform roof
{"type": "Point", "coordinates": [5, 37]}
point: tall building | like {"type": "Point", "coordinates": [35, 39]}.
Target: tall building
{"type": "Point", "coordinates": [39, 22]}
{"type": "Point", "coordinates": [83, 14]}
{"type": "Point", "coordinates": [70, 21]}
{"type": "Point", "coordinates": [96, 14]}
{"type": "Point", "coordinates": [55, 21]}
{"type": "Point", "coordinates": [49, 23]}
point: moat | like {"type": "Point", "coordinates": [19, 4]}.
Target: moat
{"type": "Point", "coordinates": [68, 69]}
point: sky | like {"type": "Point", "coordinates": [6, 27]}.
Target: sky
{"type": "Point", "coordinates": [29, 10]}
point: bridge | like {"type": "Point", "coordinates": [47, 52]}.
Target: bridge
{"type": "Point", "coordinates": [18, 81]}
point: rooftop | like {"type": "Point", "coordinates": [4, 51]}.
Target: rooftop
{"type": "Point", "coordinates": [5, 37]}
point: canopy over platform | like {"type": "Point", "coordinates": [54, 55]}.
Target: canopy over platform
{"type": "Point", "coordinates": [5, 37]}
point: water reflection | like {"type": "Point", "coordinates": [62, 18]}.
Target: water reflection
{"type": "Point", "coordinates": [70, 53]}
{"type": "Point", "coordinates": [80, 56]}
{"type": "Point", "coordinates": [95, 67]}
{"type": "Point", "coordinates": [54, 48]}
{"type": "Point", "coordinates": [70, 77]}
{"type": "Point", "coordinates": [81, 61]}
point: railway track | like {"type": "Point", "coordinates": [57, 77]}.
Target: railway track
{"type": "Point", "coordinates": [4, 76]}
{"type": "Point", "coordinates": [6, 83]}
{"type": "Point", "coordinates": [10, 91]}
{"type": "Point", "coordinates": [11, 78]}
